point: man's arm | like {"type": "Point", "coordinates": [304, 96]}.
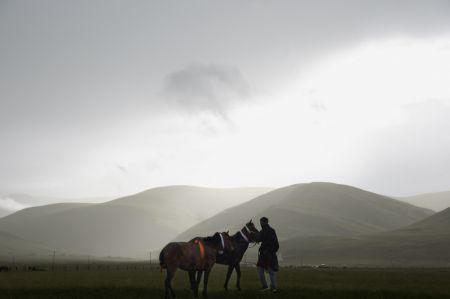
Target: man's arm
{"type": "Point", "coordinates": [276, 245]}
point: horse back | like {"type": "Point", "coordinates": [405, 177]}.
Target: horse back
{"type": "Point", "coordinates": [185, 255]}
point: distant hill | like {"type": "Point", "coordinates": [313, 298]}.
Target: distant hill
{"type": "Point", "coordinates": [129, 226]}
{"type": "Point", "coordinates": [425, 243]}
{"type": "Point", "coordinates": [13, 247]}
{"type": "Point", "coordinates": [187, 205]}
{"type": "Point", "coordinates": [316, 209]}
{"type": "Point", "coordinates": [9, 205]}
{"type": "Point", "coordinates": [15, 202]}
{"type": "Point", "coordinates": [436, 224]}
{"type": "Point", "coordinates": [32, 213]}
{"type": "Point", "coordinates": [434, 201]}
{"type": "Point", "coordinates": [4, 212]}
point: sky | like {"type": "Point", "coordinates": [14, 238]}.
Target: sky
{"type": "Point", "coordinates": [108, 98]}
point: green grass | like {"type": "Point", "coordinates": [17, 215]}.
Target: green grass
{"type": "Point", "coordinates": [293, 283]}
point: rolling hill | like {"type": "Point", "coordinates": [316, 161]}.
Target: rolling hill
{"type": "Point", "coordinates": [4, 212]}
{"type": "Point", "coordinates": [316, 209]}
{"type": "Point", "coordinates": [12, 203]}
{"type": "Point", "coordinates": [13, 247]}
{"type": "Point", "coordinates": [434, 201]}
{"type": "Point", "coordinates": [29, 214]}
{"type": "Point", "coordinates": [425, 243]}
{"type": "Point", "coordinates": [127, 227]}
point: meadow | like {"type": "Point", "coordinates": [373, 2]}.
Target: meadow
{"type": "Point", "coordinates": [135, 282]}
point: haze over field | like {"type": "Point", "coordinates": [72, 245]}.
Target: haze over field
{"type": "Point", "coordinates": [437, 201]}
{"type": "Point", "coordinates": [316, 223]}
{"type": "Point", "coordinates": [316, 209]}
{"type": "Point", "coordinates": [425, 243]}
{"type": "Point", "coordinates": [127, 227]}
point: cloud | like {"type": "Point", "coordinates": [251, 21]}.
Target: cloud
{"type": "Point", "coordinates": [9, 204]}
{"type": "Point", "coordinates": [206, 88]}
{"type": "Point", "coordinates": [318, 106]}
{"type": "Point", "coordinates": [121, 168]}
{"type": "Point", "coordinates": [411, 157]}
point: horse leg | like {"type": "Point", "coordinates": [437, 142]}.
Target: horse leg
{"type": "Point", "coordinates": [205, 283]}
{"type": "Point", "coordinates": [199, 278]}
{"type": "Point", "coordinates": [168, 283]}
{"type": "Point", "coordinates": [193, 282]}
{"type": "Point", "coordinates": [238, 274]}
{"type": "Point", "coordinates": [227, 279]}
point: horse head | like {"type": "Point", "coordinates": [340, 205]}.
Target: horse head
{"type": "Point", "coordinates": [252, 231]}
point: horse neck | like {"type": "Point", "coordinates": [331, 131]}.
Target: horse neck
{"type": "Point", "coordinates": [236, 236]}
{"type": "Point", "coordinates": [246, 231]}
{"type": "Point", "coordinates": [240, 245]}
{"type": "Point", "coordinates": [238, 239]}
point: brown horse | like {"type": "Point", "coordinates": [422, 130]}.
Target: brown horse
{"type": "Point", "coordinates": [232, 259]}
{"type": "Point", "coordinates": [192, 256]}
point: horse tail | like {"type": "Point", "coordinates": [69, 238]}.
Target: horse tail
{"type": "Point", "coordinates": [162, 263]}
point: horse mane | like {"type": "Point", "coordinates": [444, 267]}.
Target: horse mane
{"type": "Point", "coordinates": [212, 239]}
{"type": "Point", "coordinates": [236, 234]}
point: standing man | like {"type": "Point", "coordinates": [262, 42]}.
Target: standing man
{"type": "Point", "coordinates": [267, 256]}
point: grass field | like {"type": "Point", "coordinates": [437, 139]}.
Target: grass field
{"type": "Point", "coordinates": [293, 283]}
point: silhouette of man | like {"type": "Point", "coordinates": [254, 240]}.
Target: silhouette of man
{"type": "Point", "coordinates": [267, 255]}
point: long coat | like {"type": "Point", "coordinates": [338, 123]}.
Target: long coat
{"type": "Point", "coordinates": [267, 255]}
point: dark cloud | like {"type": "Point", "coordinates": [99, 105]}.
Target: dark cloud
{"type": "Point", "coordinates": [121, 168]}
{"type": "Point", "coordinates": [207, 88]}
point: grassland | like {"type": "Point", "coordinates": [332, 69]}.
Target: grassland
{"type": "Point", "coordinates": [292, 282]}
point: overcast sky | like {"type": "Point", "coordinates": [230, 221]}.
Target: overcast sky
{"type": "Point", "coordinates": [114, 97]}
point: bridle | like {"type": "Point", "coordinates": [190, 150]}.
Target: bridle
{"type": "Point", "coordinates": [245, 237]}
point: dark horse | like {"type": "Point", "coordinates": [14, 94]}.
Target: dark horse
{"type": "Point", "coordinates": [192, 257]}
{"type": "Point", "coordinates": [240, 241]}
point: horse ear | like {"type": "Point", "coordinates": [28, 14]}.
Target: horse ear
{"type": "Point", "coordinates": [250, 220]}
{"type": "Point", "coordinates": [228, 232]}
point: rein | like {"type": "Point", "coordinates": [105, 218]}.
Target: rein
{"type": "Point", "coordinates": [253, 245]}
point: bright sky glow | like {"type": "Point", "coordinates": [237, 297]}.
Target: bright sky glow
{"type": "Point", "coordinates": [148, 93]}
{"type": "Point", "coordinates": [314, 129]}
